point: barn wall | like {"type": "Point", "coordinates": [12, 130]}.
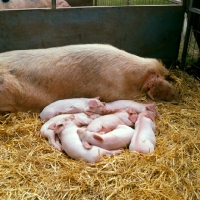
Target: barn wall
{"type": "Point", "coordinates": [149, 31]}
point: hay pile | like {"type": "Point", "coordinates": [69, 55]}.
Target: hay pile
{"type": "Point", "coordinates": [31, 169]}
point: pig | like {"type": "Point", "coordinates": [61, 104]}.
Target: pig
{"type": "Point", "coordinates": [124, 104]}
{"type": "Point", "coordinates": [107, 123]}
{"type": "Point", "coordinates": [116, 139]}
{"type": "Point", "coordinates": [47, 129]}
{"type": "Point", "coordinates": [143, 140]}
{"type": "Point", "coordinates": [32, 79]}
{"type": "Point", "coordinates": [72, 145]}
{"type": "Point", "coordinates": [71, 106]}
{"type": "Point", "coordinates": [23, 4]}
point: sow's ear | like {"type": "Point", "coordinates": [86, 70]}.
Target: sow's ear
{"type": "Point", "coordinates": [161, 90]}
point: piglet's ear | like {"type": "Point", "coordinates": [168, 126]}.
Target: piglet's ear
{"type": "Point", "coordinates": [151, 107]}
{"type": "Point", "coordinates": [131, 111]}
{"type": "Point", "coordinates": [87, 112]}
{"type": "Point", "coordinates": [86, 145]}
{"type": "Point", "coordinates": [97, 98]}
{"type": "Point", "coordinates": [117, 110]}
{"type": "Point", "coordinates": [93, 103]}
{"type": "Point", "coordinates": [52, 126]}
{"type": "Point", "coordinates": [59, 128]}
{"type": "Point", "coordinates": [80, 131]}
{"type": "Point", "coordinates": [133, 117]}
{"type": "Point", "coordinates": [150, 115]}
{"type": "Point", "coordinates": [98, 137]}
{"type": "Point", "coordinates": [70, 117]}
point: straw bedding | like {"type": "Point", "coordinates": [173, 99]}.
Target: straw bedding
{"type": "Point", "coordinates": [31, 169]}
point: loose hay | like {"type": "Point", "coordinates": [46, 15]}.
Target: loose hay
{"type": "Point", "coordinates": [31, 169]}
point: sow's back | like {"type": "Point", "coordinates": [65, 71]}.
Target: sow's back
{"type": "Point", "coordinates": [32, 79]}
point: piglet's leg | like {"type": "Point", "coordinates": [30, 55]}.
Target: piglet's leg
{"type": "Point", "coordinates": [112, 153]}
{"type": "Point", "coordinates": [52, 137]}
{"type": "Point", "coordinates": [54, 141]}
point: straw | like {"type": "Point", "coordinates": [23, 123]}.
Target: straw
{"type": "Point", "coordinates": [32, 169]}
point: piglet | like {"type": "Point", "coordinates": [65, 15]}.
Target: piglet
{"type": "Point", "coordinates": [118, 138]}
{"type": "Point", "coordinates": [72, 145]}
{"type": "Point", "coordinates": [124, 104]}
{"type": "Point", "coordinates": [107, 123]}
{"type": "Point", "coordinates": [47, 129]}
{"type": "Point", "coordinates": [74, 105]}
{"type": "Point", "coordinates": [143, 140]}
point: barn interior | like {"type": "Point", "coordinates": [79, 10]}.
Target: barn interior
{"type": "Point", "coordinates": [30, 168]}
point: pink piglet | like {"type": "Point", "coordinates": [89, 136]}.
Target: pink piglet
{"type": "Point", "coordinates": [115, 139]}
{"type": "Point", "coordinates": [143, 140]}
{"type": "Point", "coordinates": [72, 145]}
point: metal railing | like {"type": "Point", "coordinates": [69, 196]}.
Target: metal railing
{"type": "Point", "coordinates": [190, 60]}
{"type": "Point", "coordinates": [134, 2]}
{"type": "Point", "coordinates": [53, 4]}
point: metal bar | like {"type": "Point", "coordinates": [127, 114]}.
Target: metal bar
{"type": "Point", "coordinates": [175, 1]}
{"type": "Point", "coordinates": [54, 4]}
{"type": "Point", "coordinates": [95, 2]}
{"type": "Point", "coordinates": [186, 41]}
{"type": "Point", "coordinates": [195, 10]}
{"type": "Point", "coordinates": [184, 4]}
